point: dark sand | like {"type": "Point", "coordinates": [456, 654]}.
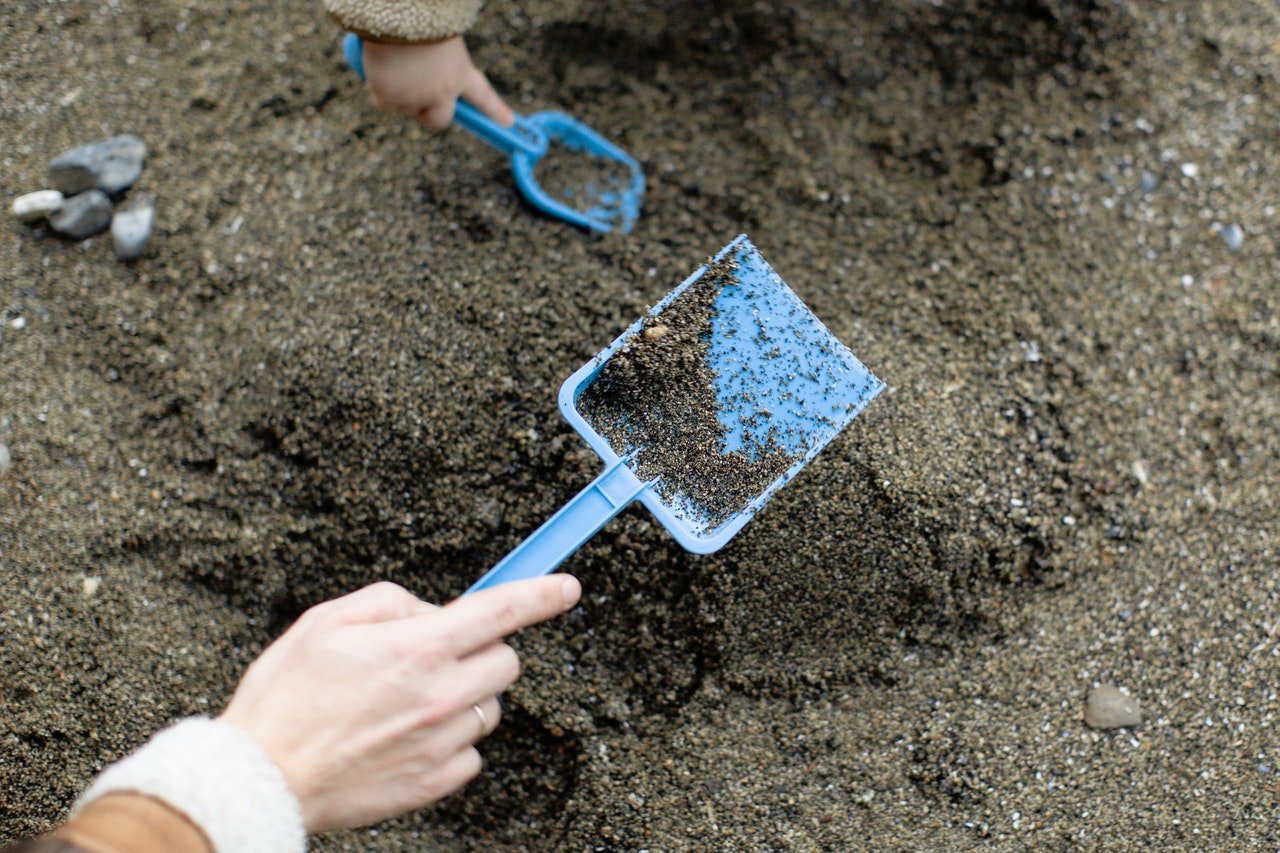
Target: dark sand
{"type": "Point", "coordinates": [580, 179]}
{"type": "Point", "coordinates": [339, 360]}
{"type": "Point", "coordinates": [656, 398]}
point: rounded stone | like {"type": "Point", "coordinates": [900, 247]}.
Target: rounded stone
{"type": "Point", "coordinates": [5, 459]}
{"type": "Point", "coordinates": [131, 228]}
{"type": "Point", "coordinates": [38, 205]}
{"type": "Point", "coordinates": [112, 165]}
{"type": "Point", "coordinates": [1233, 236]}
{"type": "Point", "coordinates": [1109, 707]}
{"type": "Point", "coordinates": [83, 215]}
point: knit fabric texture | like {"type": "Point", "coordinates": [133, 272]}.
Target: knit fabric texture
{"type": "Point", "coordinates": [217, 776]}
{"type": "Point", "coordinates": [404, 21]}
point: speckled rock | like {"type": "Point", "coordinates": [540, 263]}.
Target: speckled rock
{"type": "Point", "coordinates": [38, 205]}
{"type": "Point", "coordinates": [131, 228]}
{"type": "Point", "coordinates": [1108, 707]}
{"type": "Point", "coordinates": [83, 215]}
{"type": "Point", "coordinates": [112, 165]}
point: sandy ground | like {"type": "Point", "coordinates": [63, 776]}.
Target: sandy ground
{"type": "Point", "coordinates": [338, 363]}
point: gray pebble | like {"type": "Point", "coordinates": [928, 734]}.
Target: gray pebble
{"type": "Point", "coordinates": [83, 215]}
{"type": "Point", "coordinates": [112, 165]}
{"type": "Point", "coordinates": [1148, 183]}
{"type": "Point", "coordinates": [131, 228]}
{"type": "Point", "coordinates": [1233, 236]}
{"type": "Point", "coordinates": [38, 205]}
{"type": "Point", "coordinates": [1107, 707]}
{"type": "Point", "coordinates": [5, 459]}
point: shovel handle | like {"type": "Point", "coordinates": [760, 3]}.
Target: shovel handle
{"type": "Point", "coordinates": [566, 531]}
{"type": "Point", "coordinates": [518, 137]}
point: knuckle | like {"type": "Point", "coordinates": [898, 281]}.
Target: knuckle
{"type": "Point", "coordinates": [435, 711]}
{"type": "Point", "coordinates": [387, 589]}
{"type": "Point", "coordinates": [434, 753]}
{"type": "Point", "coordinates": [317, 614]}
{"type": "Point", "coordinates": [429, 788]}
{"type": "Point", "coordinates": [430, 653]}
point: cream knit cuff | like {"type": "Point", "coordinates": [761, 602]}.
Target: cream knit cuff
{"type": "Point", "coordinates": [218, 777]}
{"type": "Point", "coordinates": [407, 21]}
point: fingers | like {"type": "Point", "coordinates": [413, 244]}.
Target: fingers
{"type": "Point", "coordinates": [463, 729]}
{"type": "Point", "coordinates": [468, 624]}
{"type": "Point", "coordinates": [492, 717]}
{"type": "Point", "coordinates": [479, 91]}
{"type": "Point", "coordinates": [488, 672]}
{"type": "Point", "coordinates": [470, 681]}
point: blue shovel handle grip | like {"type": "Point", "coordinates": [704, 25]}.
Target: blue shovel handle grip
{"type": "Point", "coordinates": [518, 137]}
{"type": "Point", "coordinates": [575, 523]}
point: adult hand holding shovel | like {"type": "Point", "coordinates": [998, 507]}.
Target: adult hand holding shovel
{"type": "Point", "coordinates": [369, 706]}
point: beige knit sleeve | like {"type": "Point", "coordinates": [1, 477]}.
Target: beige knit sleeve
{"type": "Point", "coordinates": [404, 21]}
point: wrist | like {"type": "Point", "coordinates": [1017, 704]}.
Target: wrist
{"type": "Point", "coordinates": [218, 776]}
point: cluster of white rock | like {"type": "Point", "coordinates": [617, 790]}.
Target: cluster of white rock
{"type": "Point", "coordinates": [87, 178]}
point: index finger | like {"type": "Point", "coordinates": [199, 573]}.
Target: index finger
{"type": "Point", "coordinates": [479, 91]}
{"type": "Point", "coordinates": [475, 621]}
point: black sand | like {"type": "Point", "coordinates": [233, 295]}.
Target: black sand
{"type": "Point", "coordinates": [656, 399]}
{"type": "Point", "coordinates": [580, 179]}
{"type": "Point", "coordinates": [339, 361]}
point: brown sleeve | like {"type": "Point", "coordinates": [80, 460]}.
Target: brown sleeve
{"type": "Point", "coordinates": [123, 823]}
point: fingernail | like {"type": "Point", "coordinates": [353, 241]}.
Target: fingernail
{"type": "Point", "coordinates": [571, 590]}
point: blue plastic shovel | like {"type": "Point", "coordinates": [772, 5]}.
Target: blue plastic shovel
{"type": "Point", "coordinates": [782, 381]}
{"type": "Point", "coordinates": [599, 205]}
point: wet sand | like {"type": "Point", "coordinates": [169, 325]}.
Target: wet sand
{"type": "Point", "coordinates": [338, 363]}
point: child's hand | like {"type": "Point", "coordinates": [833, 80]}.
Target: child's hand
{"type": "Point", "coordinates": [425, 81]}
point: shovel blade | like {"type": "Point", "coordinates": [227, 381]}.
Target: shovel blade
{"type": "Point", "coordinates": [778, 384]}
{"type": "Point", "coordinates": [582, 177]}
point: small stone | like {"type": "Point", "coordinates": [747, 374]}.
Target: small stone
{"type": "Point", "coordinates": [655, 333]}
{"type": "Point", "coordinates": [1189, 170]}
{"type": "Point", "coordinates": [38, 205]}
{"type": "Point", "coordinates": [89, 586]}
{"type": "Point", "coordinates": [1233, 236]}
{"type": "Point", "coordinates": [6, 461]}
{"type": "Point", "coordinates": [83, 215]}
{"type": "Point", "coordinates": [131, 228]}
{"type": "Point", "coordinates": [1148, 183]}
{"type": "Point", "coordinates": [112, 165]}
{"type": "Point", "coordinates": [1107, 707]}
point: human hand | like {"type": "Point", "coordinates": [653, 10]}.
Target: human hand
{"type": "Point", "coordinates": [366, 702]}
{"type": "Point", "coordinates": [424, 81]}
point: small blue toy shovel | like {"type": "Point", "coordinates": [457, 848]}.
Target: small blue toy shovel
{"type": "Point", "coordinates": [772, 385]}
{"type": "Point", "coordinates": [608, 200]}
